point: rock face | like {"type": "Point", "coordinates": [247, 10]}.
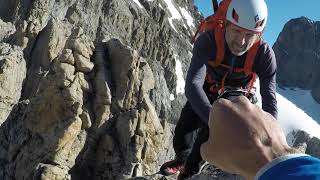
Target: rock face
{"type": "Point", "coordinates": [298, 55]}
{"type": "Point", "coordinates": [89, 89]}
{"type": "Point", "coordinates": [12, 73]}
{"type": "Point", "coordinates": [311, 144]}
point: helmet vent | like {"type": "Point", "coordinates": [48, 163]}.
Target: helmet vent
{"type": "Point", "coordinates": [259, 23]}
{"type": "Point", "coordinates": [235, 15]}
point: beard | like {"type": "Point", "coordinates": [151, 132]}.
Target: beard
{"type": "Point", "coordinates": [237, 49]}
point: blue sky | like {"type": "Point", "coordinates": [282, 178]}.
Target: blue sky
{"type": "Point", "coordinates": [280, 12]}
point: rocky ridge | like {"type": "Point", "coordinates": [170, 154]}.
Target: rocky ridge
{"type": "Point", "coordinates": [297, 50]}
{"type": "Point", "coordinates": [89, 88]}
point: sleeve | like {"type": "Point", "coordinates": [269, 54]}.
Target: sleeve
{"type": "Point", "coordinates": [295, 166]}
{"type": "Point", "coordinates": [266, 71]}
{"type": "Point", "coordinates": [196, 77]}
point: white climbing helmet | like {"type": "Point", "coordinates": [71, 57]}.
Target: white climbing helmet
{"type": "Point", "coordinates": [248, 14]}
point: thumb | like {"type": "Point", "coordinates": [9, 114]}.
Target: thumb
{"type": "Point", "coordinates": [300, 147]}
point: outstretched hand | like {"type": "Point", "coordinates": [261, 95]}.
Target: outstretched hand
{"type": "Point", "coordinates": [243, 137]}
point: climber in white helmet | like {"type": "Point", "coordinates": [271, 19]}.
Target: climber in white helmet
{"type": "Point", "coordinates": [228, 54]}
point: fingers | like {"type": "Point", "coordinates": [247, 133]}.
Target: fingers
{"type": "Point", "coordinates": [218, 110]}
{"type": "Point", "coordinates": [237, 105]}
{"type": "Point", "coordinates": [207, 152]}
{"type": "Point", "coordinates": [242, 137]}
{"type": "Point", "coordinates": [230, 115]}
{"type": "Point", "coordinates": [301, 147]}
{"type": "Point", "coordinates": [238, 100]}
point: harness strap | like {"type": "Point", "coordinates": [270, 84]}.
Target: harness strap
{"type": "Point", "coordinates": [251, 57]}
{"type": "Point", "coordinates": [222, 82]}
{"type": "Point", "coordinates": [214, 88]}
{"type": "Point", "coordinates": [201, 27]}
{"type": "Point", "coordinates": [234, 69]}
{"type": "Point", "coordinates": [219, 37]}
{"type": "Point", "coordinates": [209, 79]}
{"type": "Point", "coordinates": [253, 79]}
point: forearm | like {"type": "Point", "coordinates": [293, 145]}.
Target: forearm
{"type": "Point", "coordinates": [266, 69]}
{"type": "Point", "coordinates": [198, 100]}
{"type": "Point", "coordinates": [270, 106]}
{"type": "Point", "coordinates": [268, 94]}
{"type": "Point", "coordinates": [195, 80]}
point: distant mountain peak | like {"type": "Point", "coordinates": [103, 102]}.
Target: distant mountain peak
{"type": "Point", "coordinates": [297, 50]}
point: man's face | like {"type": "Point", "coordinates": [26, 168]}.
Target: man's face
{"type": "Point", "coordinates": [239, 40]}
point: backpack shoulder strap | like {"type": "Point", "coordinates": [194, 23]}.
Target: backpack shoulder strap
{"type": "Point", "coordinates": [211, 22]}
{"type": "Point", "coordinates": [251, 56]}
{"type": "Point", "coordinates": [222, 10]}
{"type": "Point", "coordinates": [206, 24]}
{"type": "Point", "coordinates": [219, 31]}
{"type": "Point", "coordinates": [220, 49]}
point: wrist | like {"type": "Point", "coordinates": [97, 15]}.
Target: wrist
{"type": "Point", "coordinates": [268, 155]}
{"type": "Point", "coordinates": [275, 162]}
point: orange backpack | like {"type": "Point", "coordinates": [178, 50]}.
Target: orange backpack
{"type": "Point", "coordinates": [217, 22]}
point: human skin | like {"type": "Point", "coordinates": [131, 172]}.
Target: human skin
{"type": "Point", "coordinates": [240, 40]}
{"type": "Point", "coordinates": [243, 137]}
